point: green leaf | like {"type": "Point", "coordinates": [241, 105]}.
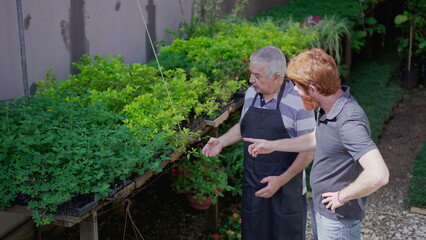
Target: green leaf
{"type": "Point", "coordinates": [400, 19]}
{"type": "Point", "coordinates": [370, 21]}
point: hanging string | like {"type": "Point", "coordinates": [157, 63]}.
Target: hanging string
{"type": "Point", "coordinates": [125, 227]}
{"type": "Point", "coordinates": [127, 203]}
{"type": "Point", "coordinates": [156, 58]}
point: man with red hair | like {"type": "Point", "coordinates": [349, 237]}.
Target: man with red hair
{"type": "Point", "coordinates": [347, 164]}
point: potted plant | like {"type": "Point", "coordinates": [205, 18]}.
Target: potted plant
{"type": "Point", "coordinates": [200, 178]}
{"type": "Point", "coordinates": [412, 22]}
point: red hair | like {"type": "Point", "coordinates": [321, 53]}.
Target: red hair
{"type": "Point", "coordinates": [315, 67]}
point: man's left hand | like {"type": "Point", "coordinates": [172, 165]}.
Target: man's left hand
{"type": "Point", "coordinates": [332, 201]}
{"type": "Point", "coordinates": [274, 183]}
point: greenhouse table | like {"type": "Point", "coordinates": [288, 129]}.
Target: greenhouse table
{"type": "Point", "coordinates": [88, 221]}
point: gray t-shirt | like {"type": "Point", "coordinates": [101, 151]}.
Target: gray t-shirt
{"type": "Point", "coordinates": [342, 138]}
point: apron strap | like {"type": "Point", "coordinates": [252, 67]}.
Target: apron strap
{"type": "Point", "coordinates": [280, 95]}
{"type": "Point", "coordinates": [254, 99]}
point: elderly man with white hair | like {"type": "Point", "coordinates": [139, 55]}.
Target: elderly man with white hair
{"type": "Point", "coordinates": [274, 201]}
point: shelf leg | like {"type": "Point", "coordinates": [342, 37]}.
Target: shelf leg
{"type": "Point", "coordinates": [212, 217]}
{"type": "Point", "coordinates": [89, 227]}
{"type": "Point", "coordinates": [212, 214]}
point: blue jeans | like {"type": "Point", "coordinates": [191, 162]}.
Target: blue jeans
{"type": "Point", "coordinates": [326, 229]}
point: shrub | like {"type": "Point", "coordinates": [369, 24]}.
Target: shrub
{"type": "Point", "coordinates": [369, 78]}
{"type": "Point", "coordinates": [352, 10]}
{"type": "Point", "coordinates": [417, 188]}
{"type": "Point", "coordinates": [201, 175]}
{"type": "Point", "coordinates": [231, 230]}
{"type": "Point", "coordinates": [52, 149]}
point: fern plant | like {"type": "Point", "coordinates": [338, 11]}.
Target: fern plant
{"type": "Point", "coordinates": [331, 31]}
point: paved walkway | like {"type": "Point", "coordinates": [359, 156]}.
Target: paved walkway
{"type": "Point", "coordinates": [388, 212]}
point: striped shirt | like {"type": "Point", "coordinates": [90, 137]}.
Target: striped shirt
{"type": "Point", "coordinates": [296, 119]}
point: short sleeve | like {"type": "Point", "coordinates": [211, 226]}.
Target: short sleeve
{"type": "Point", "coordinates": [248, 99]}
{"type": "Point", "coordinates": [305, 122]}
{"type": "Point", "coordinates": [356, 137]}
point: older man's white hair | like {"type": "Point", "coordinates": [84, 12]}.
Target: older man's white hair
{"type": "Point", "coordinates": [273, 59]}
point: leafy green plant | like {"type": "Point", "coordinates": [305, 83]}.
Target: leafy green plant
{"type": "Point", "coordinates": [328, 31]}
{"type": "Point", "coordinates": [223, 60]}
{"type": "Point", "coordinates": [225, 56]}
{"type": "Point", "coordinates": [331, 31]}
{"type": "Point", "coordinates": [369, 27]}
{"type": "Point", "coordinates": [417, 189]}
{"type": "Point", "coordinates": [352, 10]}
{"type": "Point", "coordinates": [239, 8]}
{"type": "Point", "coordinates": [155, 110]}
{"type": "Point", "coordinates": [52, 149]}
{"type": "Point", "coordinates": [413, 24]}
{"type": "Point", "coordinates": [200, 175]}
{"type": "Point", "coordinates": [369, 78]}
{"type": "Point", "coordinates": [204, 16]}
{"type": "Point", "coordinates": [170, 60]}
{"type": "Point", "coordinates": [137, 92]}
{"type": "Point", "coordinates": [231, 230]}
{"type": "Point", "coordinates": [233, 157]}
{"type": "Point", "coordinates": [301, 9]}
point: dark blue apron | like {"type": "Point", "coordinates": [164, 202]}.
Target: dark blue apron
{"type": "Point", "coordinates": [278, 217]}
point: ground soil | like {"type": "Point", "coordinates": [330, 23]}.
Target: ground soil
{"type": "Point", "coordinates": [160, 214]}
{"type": "Point", "coordinates": [388, 213]}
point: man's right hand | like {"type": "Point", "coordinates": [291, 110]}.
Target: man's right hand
{"type": "Point", "coordinates": [259, 146]}
{"type": "Point", "coordinates": [213, 147]}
